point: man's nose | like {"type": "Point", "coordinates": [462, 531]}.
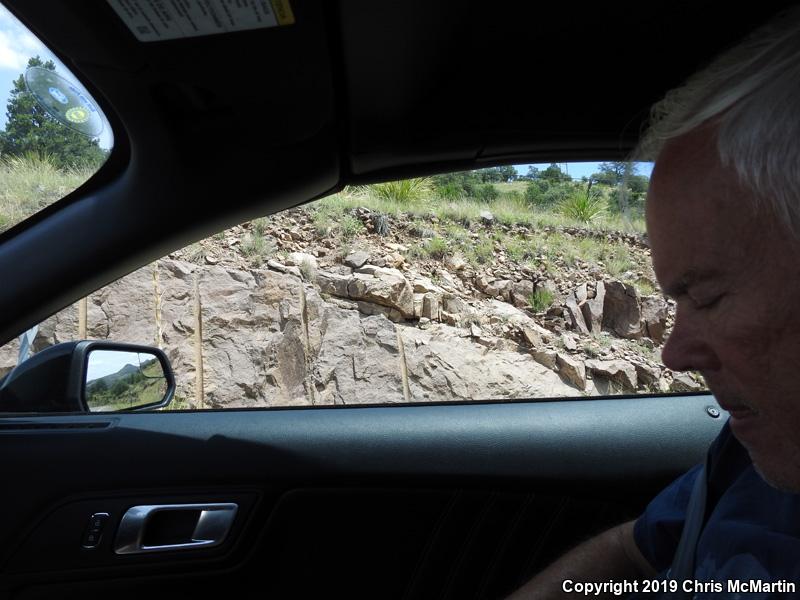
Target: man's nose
{"type": "Point", "coordinates": [688, 347]}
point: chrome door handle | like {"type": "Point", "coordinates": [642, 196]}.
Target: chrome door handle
{"type": "Point", "coordinates": [212, 527]}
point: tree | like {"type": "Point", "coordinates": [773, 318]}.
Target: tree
{"type": "Point", "coordinates": [554, 174]}
{"type": "Point", "coordinates": [614, 173]}
{"type": "Point", "coordinates": [502, 174]}
{"type": "Point", "coordinates": [533, 173]}
{"type": "Point", "coordinates": [30, 130]}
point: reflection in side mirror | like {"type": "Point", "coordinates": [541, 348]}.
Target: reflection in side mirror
{"type": "Point", "coordinates": [123, 380]}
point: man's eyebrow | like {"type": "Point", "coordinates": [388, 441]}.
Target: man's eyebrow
{"type": "Point", "coordinates": [688, 279]}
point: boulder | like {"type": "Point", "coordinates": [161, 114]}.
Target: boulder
{"type": "Point", "coordinates": [521, 291]}
{"type": "Point", "coordinates": [575, 315]}
{"type": "Point", "coordinates": [446, 367]}
{"type": "Point", "coordinates": [385, 287]}
{"type": "Point", "coordinates": [333, 284]}
{"type": "Point", "coordinates": [447, 279]}
{"type": "Point", "coordinates": [450, 318]}
{"type": "Point", "coordinates": [371, 309]}
{"type": "Point", "coordinates": [418, 305]}
{"type": "Point", "coordinates": [534, 334]}
{"type": "Point", "coordinates": [455, 263]}
{"type": "Point", "coordinates": [548, 358]}
{"type": "Point", "coordinates": [298, 259]}
{"type": "Point", "coordinates": [356, 260]}
{"type": "Point", "coordinates": [423, 285]}
{"type": "Point", "coordinates": [569, 342]}
{"type": "Point", "coordinates": [454, 305]}
{"type": "Point", "coordinates": [593, 309]}
{"type": "Point", "coordinates": [581, 294]}
{"type": "Point", "coordinates": [499, 287]}
{"type": "Point", "coordinates": [647, 375]}
{"type": "Point", "coordinates": [486, 217]}
{"type": "Point", "coordinates": [654, 317]}
{"type": "Point", "coordinates": [287, 269]}
{"type": "Point", "coordinates": [430, 306]}
{"type": "Point", "coordinates": [572, 370]}
{"type": "Point", "coordinates": [619, 371]}
{"type": "Point", "coordinates": [683, 382]}
{"type": "Point", "coordinates": [621, 312]}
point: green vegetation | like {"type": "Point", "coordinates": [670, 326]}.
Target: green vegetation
{"type": "Point", "coordinates": [583, 206]}
{"type": "Point", "coordinates": [350, 227]}
{"type": "Point", "coordinates": [30, 183]}
{"type": "Point", "coordinates": [256, 248]}
{"type": "Point", "coordinates": [404, 191]}
{"type": "Point", "coordinates": [41, 160]}
{"type": "Point", "coordinates": [531, 217]}
{"type": "Point", "coordinates": [435, 248]}
{"type": "Point", "coordinates": [541, 300]}
{"type": "Point", "coordinates": [30, 130]}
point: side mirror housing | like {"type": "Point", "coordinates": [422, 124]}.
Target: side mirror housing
{"type": "Point", "coordinates": [89, 376]}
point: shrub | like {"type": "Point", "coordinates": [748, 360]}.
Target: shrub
{"type": "Point", "coordinates": [380, 224]}
{"type": "Point", "coordinates": [485, 192]}
{"type": "Point", "coordinates": [541, 300]}
{"type": "Point", "coordinates": [518, 250]}
{"type": "Point", "coordinates": [481, 252]}
{"type": "Point", "coordinates": [435, 248]}
{"type": "Point", "coordinates": [555, 195]}
{"type": "Point", "coordinates": [260, 225]}
{"type": "Point", "coordinates": [323, 220]}
{"type": "Point", "coordinates": [404, 191]}
{"type": "Point", "coordinates": [29, 183]}
{"type": "Point", "coordinates": [450, 191]}
{"type": "Point", "coordinates": [256, 248]}
{"type": "Point", "coordinates": [644, 286]}
{"type": "Point", "coordinates": [308, 271]}
{"type": "Point", "coordinates": [350, 227]}
{"type": "Point", "coordinates": [619, 263]}
{"type": "Point", "coordinates": [534, 191]}
{"type": "Point", "coordinates": [582, 206]}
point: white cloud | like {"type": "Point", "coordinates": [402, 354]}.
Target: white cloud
{"type": "Point", "coordinates": [17, 44]}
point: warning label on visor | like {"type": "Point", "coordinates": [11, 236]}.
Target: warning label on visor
{"type": "Point", "coordinates": [159, 20]}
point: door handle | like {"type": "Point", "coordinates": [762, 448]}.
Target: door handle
{"type": "Point", "coordinates": [213, 524]}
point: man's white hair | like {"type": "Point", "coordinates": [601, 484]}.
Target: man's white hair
{"type": "Point", "coordinates": [751, 96]}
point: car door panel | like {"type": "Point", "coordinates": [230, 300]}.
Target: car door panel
{"type": "Point", "coordinates": [419, 501]}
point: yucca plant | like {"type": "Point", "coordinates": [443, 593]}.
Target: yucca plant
{"type": "Point", "coordinates": [404, 191]}
{"type": "Point", "coordinates": [583, 206]}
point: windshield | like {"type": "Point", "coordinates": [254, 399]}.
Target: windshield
{"type": "Point", "coordinates": [53, 134]}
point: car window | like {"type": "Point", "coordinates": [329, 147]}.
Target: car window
{"type": "Point", "coordinates": [519, 282]}
{"type": "Point", "coordinates": [53, 134]}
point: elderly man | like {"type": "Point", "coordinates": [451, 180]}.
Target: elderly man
{"type": "Point", "coordinates": [723, 215]}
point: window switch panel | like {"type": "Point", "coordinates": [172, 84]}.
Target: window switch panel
{"type": "Point", "coordinates": [94, 531]}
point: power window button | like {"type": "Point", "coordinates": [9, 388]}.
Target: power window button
{"type": "Point", "coordinates": [94, 531]}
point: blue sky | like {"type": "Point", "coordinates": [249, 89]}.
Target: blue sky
{"type": "Point", "coordinates": [584, 169]}
{"type": "Point", "coordinates": [17, 45]}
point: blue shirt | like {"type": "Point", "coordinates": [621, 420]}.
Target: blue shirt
{"type": "Point", "coordinates": [752, 531]}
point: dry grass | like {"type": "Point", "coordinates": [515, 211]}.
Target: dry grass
{"type": "Point", "coordinates": [27, 185]}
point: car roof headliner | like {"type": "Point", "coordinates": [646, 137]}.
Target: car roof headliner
{"type": "Point", "coordinates": [215, 130]}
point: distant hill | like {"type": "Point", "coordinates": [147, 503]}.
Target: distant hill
{"type": "Point", "coordinates": [112, 378]}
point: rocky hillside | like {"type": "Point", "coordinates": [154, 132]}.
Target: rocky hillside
{"type": "Point", "coordinates": [284, 311]}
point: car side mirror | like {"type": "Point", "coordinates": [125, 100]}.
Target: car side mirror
{"type": "Point", "coordinates": [89, 376]}
{"type": "Point", "coordinates": [123, 379]}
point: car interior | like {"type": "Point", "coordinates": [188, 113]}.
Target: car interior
{"type": "Point", "coordinates": [425, 500]}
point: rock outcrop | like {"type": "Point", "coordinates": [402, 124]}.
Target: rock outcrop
{"type": "Point", "coordinates": [307, 328]}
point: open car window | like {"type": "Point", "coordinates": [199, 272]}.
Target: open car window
{"type": "Point", "coordinates": [53, 134]}
{"type": "Point", "coordinates": [504, 283]}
